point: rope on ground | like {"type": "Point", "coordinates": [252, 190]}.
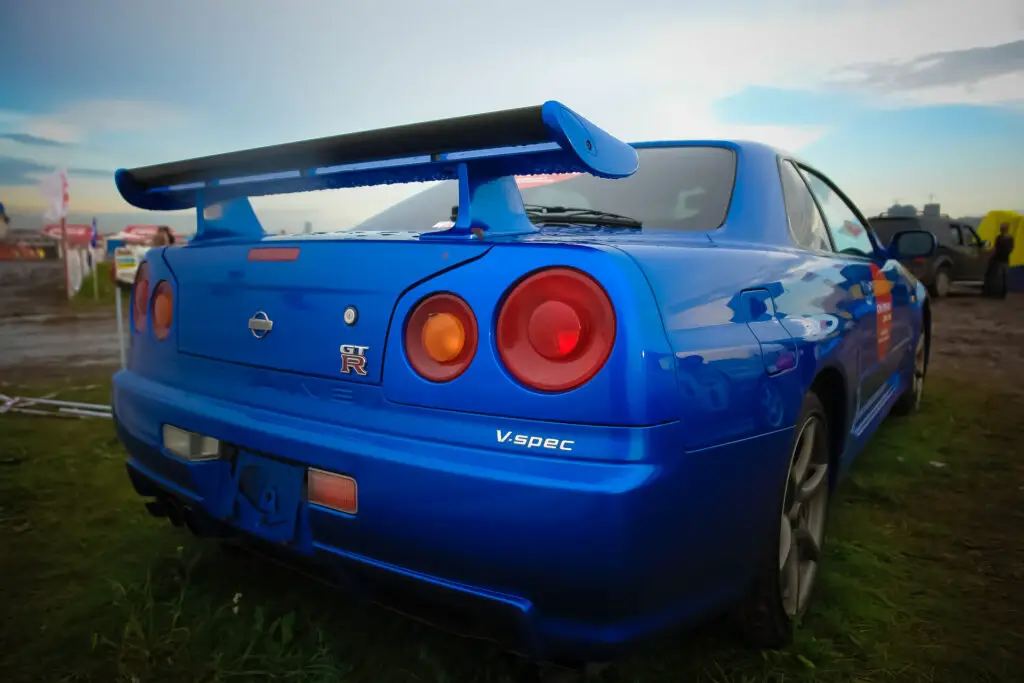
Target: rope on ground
{"type": "Point", "coordinates": [51, 407]}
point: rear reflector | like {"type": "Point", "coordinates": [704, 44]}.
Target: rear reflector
{"type": "Point", "coordinates": [273, 253]}
{"type": "Point", "coordinates": [333, 491]}
{"type": "Point", "coordinates": [190, 445]}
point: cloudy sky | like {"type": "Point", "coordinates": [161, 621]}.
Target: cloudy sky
{"type": "Point", "coordinates": [896, 99]}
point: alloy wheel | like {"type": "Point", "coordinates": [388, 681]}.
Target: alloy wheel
{"type": "Point", "coordinates": [804, 509]}
{"type": "Point", "coordinates": [919, 370]}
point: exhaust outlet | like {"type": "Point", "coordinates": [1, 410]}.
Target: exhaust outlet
{"type": "Point", "coordinates": [156, 508]}
{"type": "Point", "coordinates": [174, 512]}
{"type": "Point", "coordinates": [190, 522]}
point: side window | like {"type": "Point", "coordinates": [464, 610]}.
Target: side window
{"type": "Point", "coordinates": [954, 234]}
{"type": "Point", "coordinates": [805, 221]}
{"type": "Point", "coordinates": [971, 238]}
{"type": "Point", "coordinates": [848, 233]}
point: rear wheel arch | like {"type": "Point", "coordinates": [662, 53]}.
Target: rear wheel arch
{"type": "Point", "coordinates": [830, 387]}
{"type": "Point", "coordinates": [944, 261]}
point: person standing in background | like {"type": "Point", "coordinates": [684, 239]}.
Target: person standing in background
{"type": "Point", "coordinates": [999, 263]}
{"type": "Point", "coordinates": [163, 237]}
{"type": "Point", "coordinates": [5, 220]}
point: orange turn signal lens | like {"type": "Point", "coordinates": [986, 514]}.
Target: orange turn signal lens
{"type": "Point", "coordinates": [163, 309]}
{"type": "Point", "coordinates": [440, 337]}
{"type": "Point", "coordinates": [333, 491]}
{"type": "Point", "coordinates": [444, 337]}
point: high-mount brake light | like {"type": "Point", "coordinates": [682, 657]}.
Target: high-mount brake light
{"type": "Point", "coordinates": [163, 309]}
{"type": "Point", "coordinates": [140, 297]}
{"type": "Point", "coordinates": [273, 253]}
{"type": "Point", "coordinates": [441, 337]}
{"type": "Point", "coordinates": [556, 329]}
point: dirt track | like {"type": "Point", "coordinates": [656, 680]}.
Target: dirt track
{"type": "Point", "coordinates": [42, 335]}
{"type": "Point", "coordinates": [981, 337]}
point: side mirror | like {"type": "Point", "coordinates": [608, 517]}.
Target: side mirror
{"type": "Point", "coordinates": [986, 244]}
{"type": "Point", "coordinates": [911, 244]}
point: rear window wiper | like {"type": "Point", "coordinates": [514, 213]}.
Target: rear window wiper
{"type": "Point", "coordinates": [569, 215]}
{"type": "Point", "coordinates": [579, 216]}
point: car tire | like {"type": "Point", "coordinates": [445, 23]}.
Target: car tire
{"type": "Point", "coordinates": [943, 282]}
{"type": "Point", "coordinates": [909, 401]}
{"type": "Point", "coordinates": [765, 618]}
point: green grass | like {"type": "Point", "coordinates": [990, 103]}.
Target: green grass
{"type": "Point", "coordinates": [104, 296]}
{"type": "Point", "coordinates": [921, 581]}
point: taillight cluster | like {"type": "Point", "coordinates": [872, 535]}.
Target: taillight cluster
{"type": "Point", "coordinates": [555, 330]}
{"type": "Point", "coordinates": [159, 307]}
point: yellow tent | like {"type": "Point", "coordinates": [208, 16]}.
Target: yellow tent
{"type": "Point", "coordinates": [989, 229]}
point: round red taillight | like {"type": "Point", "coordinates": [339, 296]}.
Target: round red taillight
{"type": "Point", "coordinates": [556, 329]}
{"type": "Point", "coordinates": [163, 309]}
{"type": "Point", "coordinates": [441, 337]}
{"type": "Point", "coordinates": [140, 297]}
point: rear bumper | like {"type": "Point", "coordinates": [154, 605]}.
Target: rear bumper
{"type": "Point", "coordinates": [568, 559]}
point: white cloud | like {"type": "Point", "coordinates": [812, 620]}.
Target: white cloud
{"type": "Point", "coordinates": [76, 122]}
{"type": "Point", "coordinates": [1005, 90]}
{"type": "Point", "coordinates": [51, 129]}
{"type": "Point", "coordinates": [647, 70]}
{"type": "Point", "coordinates": [90, 195]}
{"type": "Point", "coordinates": [123, 115]}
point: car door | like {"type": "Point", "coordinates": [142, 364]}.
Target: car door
{"type": "Point", "coordinates": [832, 286]}
{"type": "Point", "coordinates": [960, 252]}
{"type": "Point", "coordinates": [885, 288]}
{"type": "Point", "coordinates": [976, 254]}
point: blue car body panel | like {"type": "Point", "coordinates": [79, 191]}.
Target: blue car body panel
{"type": "Point", "coordinates": [656, 507]}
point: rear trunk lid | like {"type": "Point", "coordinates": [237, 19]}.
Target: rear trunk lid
{"type": "Point", "coordinates": [289, 314]}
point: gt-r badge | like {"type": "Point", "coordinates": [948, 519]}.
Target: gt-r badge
{"type": "Point", "coordinates": [532, 441]}
{"type": "Point", "coordinates": [353, 359]}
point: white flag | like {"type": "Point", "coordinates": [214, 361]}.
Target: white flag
{"type": "Point", "coordinates": [55, 190]}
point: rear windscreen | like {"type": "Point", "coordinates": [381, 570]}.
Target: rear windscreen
{"type": "Point", "coordinates": [675, 188]}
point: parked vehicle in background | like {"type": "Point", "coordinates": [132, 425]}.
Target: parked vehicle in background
{"type": "Point", "coordinates": [126, 264]}
{"type": "Point", "coordinates": [961, 257]}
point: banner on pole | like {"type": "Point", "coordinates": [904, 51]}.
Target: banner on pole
{"type": "Point", "coordinates": [55, 190]}
{"type": "Point", "coordinates": [76, 270]}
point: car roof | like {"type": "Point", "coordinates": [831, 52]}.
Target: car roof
{"type": "Point", "coordinates": [924, 221]}
{"type": "Point", "coordinates": [738, 145]}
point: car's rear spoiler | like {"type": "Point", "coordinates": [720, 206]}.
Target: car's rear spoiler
{"type": "Point", "coordinates": [483, 152]}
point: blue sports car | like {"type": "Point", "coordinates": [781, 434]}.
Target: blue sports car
{"type": "Point", "coordinates": [576, 392]}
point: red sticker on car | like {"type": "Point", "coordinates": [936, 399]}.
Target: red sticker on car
{"type": "Point", "coordinates": [883, 309]}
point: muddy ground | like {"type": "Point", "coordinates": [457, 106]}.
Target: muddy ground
{"type": "Point", "coordinates": [42, 335]}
